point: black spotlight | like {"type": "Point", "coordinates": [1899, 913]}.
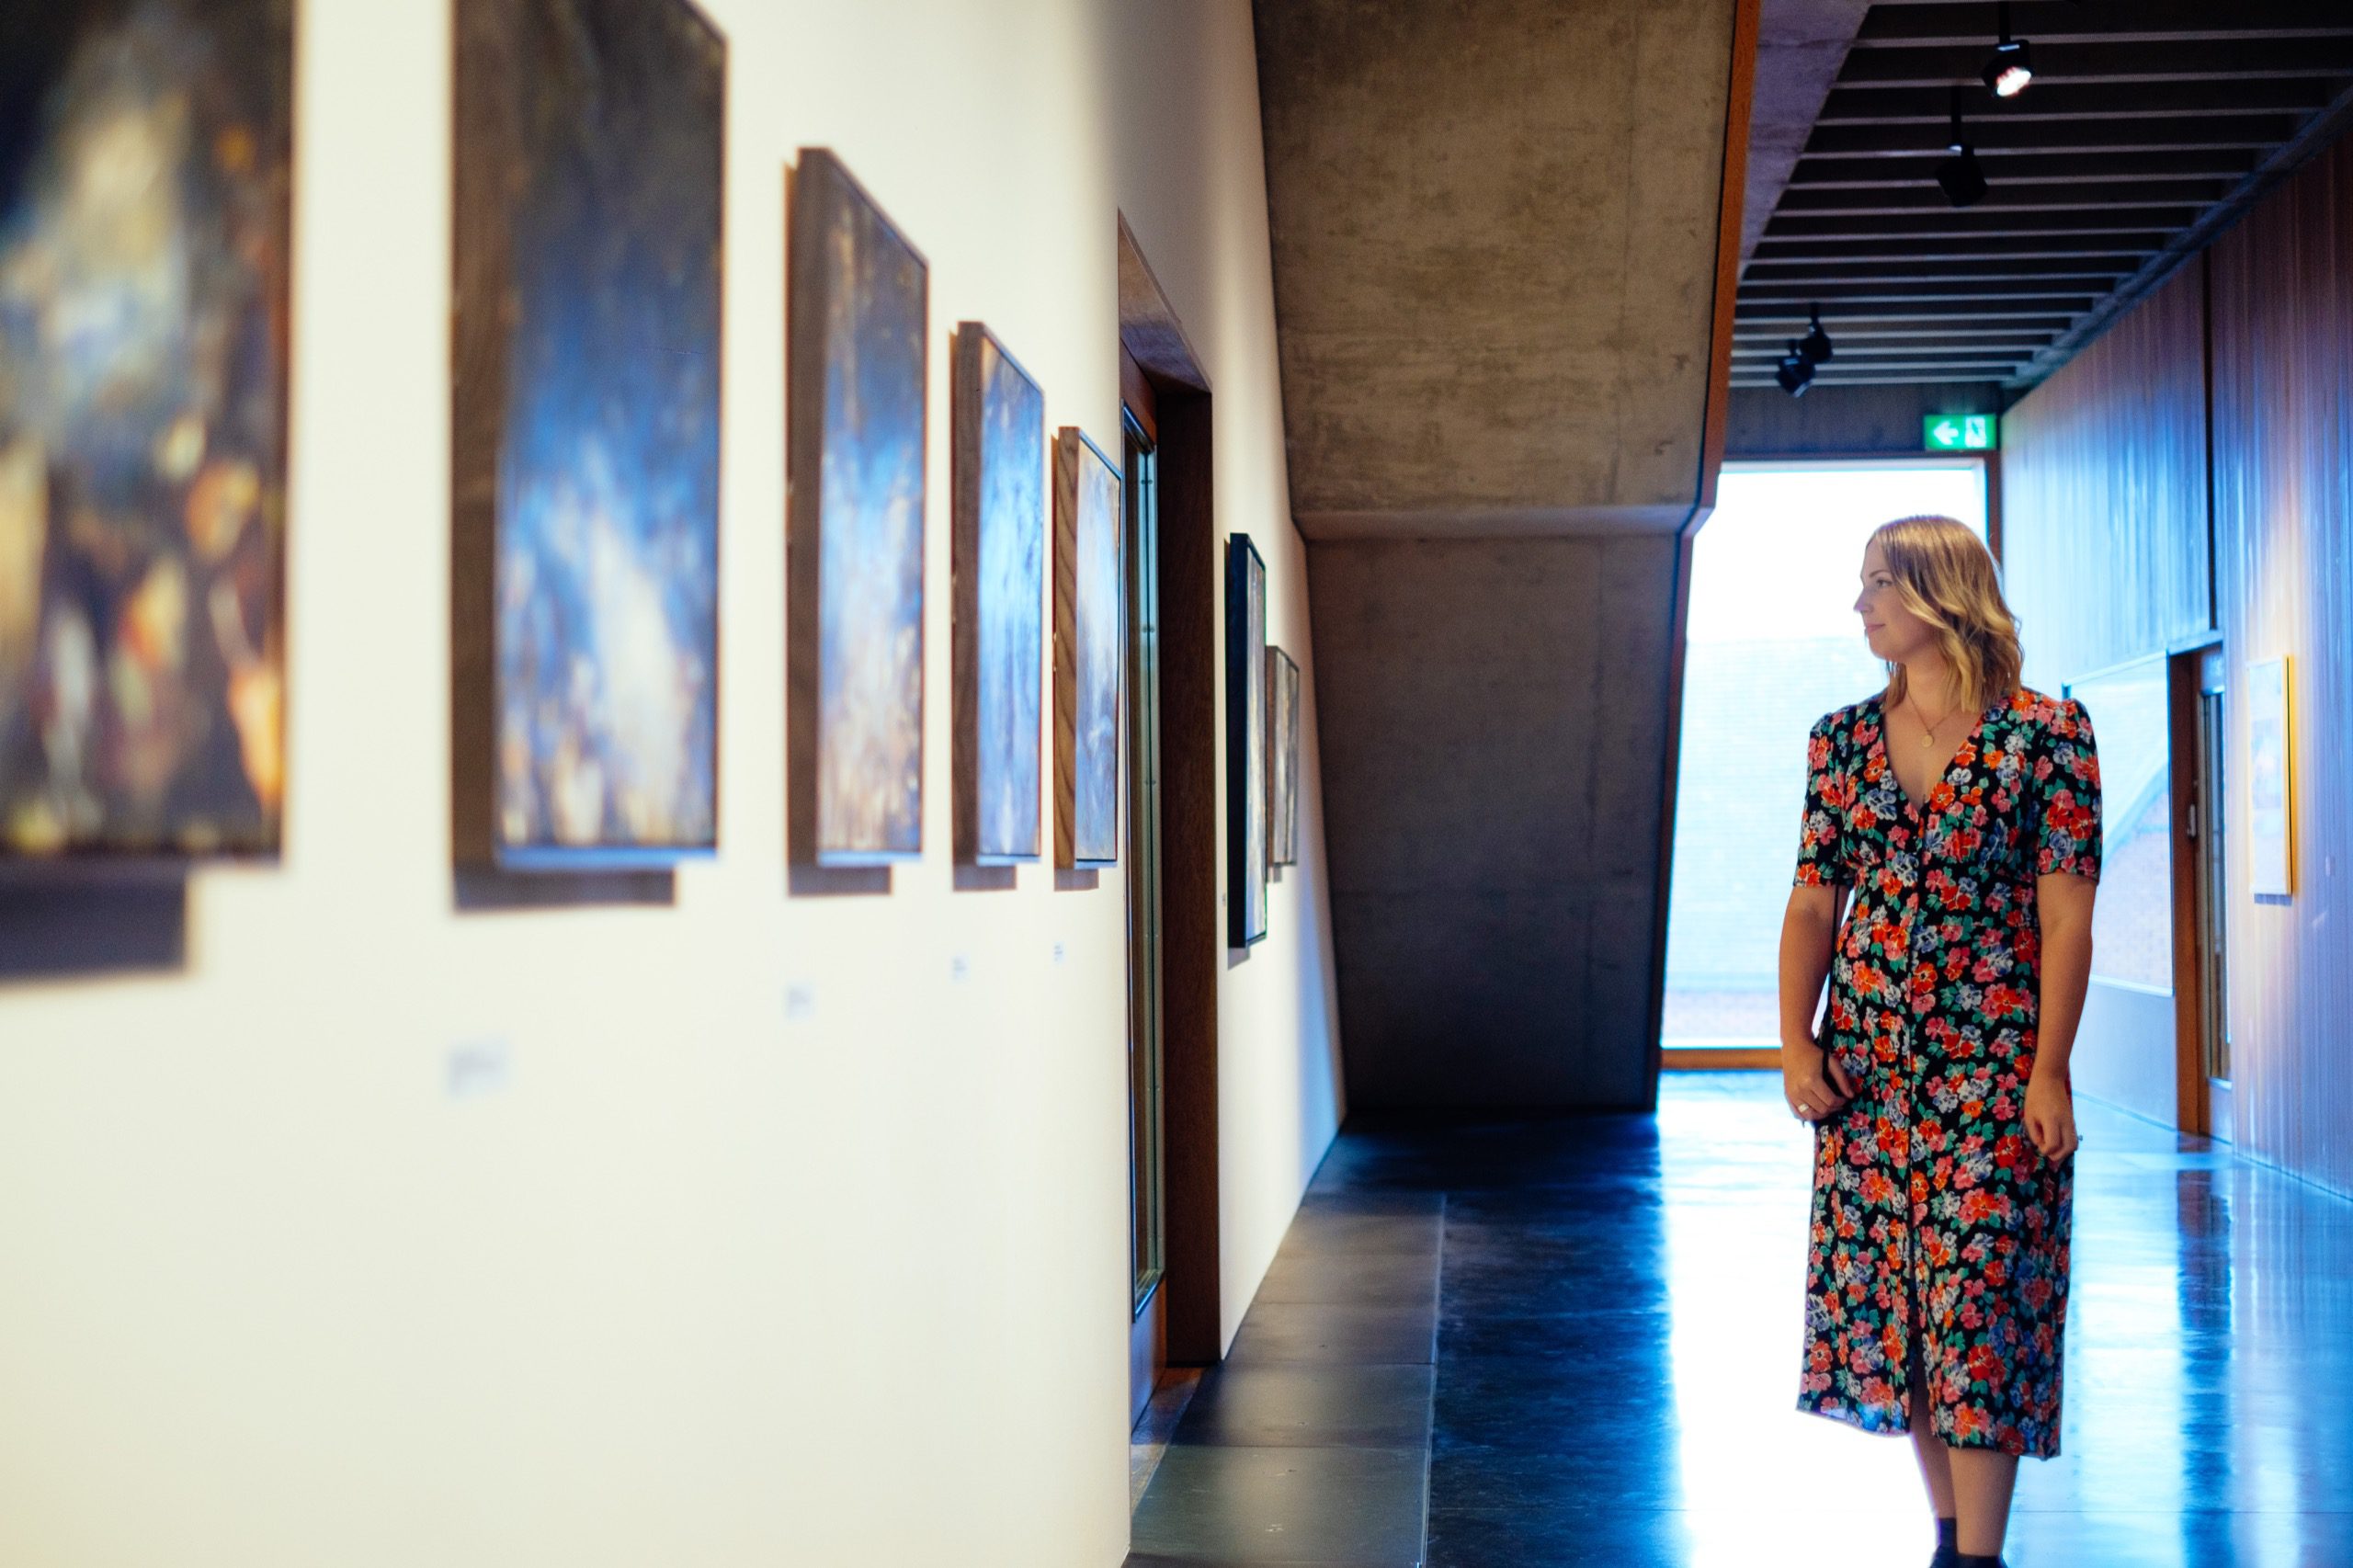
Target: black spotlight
{"type": "Point", "coordinates": [1964, 181]}
{"type": "Point", "coordinates": [2010, 70]}
{"type": "Point", "coordinates": [1796, 373]}
{"type": "Point", "coordinates": [1816, 346]}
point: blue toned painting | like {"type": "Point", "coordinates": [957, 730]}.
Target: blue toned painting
{"type": "Point", "coordinates": [144, 163]}
{"type": "Point", "coordinates": [1099, 649]}
{"type": "Point", "coordinates": [1011, 634]}
{"type": "Point", "coordinates": [608, 480]}
{"type": "Point", "coordinates": [872, 322]}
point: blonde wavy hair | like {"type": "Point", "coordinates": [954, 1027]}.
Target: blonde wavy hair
{"type": "Point", "coordinates": [1944, 575]}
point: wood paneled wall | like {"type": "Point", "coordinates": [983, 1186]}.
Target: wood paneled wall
{"type": "Point", "coordinates": [2104, 545]}
{"type": "Point", "coordinates": [2104, 493]}
{"type": "Point", "coordinates": [2282, 336]}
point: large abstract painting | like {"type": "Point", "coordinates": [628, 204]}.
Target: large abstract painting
{"type": "Point", "coordinates": [997, 559]}
{"type": "Point", "coordinates": [144, 156]}
{"type": "Point", "coordinates": [1282, 758]}
{"type": "Point", "coordinates": [587, 429]}
{"type": "Point", "coordinates": [859, 302]}
{"type": "Point", "coordinates": [1245, 742]}
{"type": "Point", "coordinates": [1090, 647]}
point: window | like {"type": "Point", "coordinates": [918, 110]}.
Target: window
{"type": "Point", "coordinates": [1773, 644]}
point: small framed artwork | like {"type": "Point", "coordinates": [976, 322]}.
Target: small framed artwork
{"type": "Point", "coordinates": [586, 508]}
{"type": "Point", "coordinates": [2270, 780]}
{"type": "Point", "coordinates": [146, 153]}
{"type": "Point", "coordinates": [997, 556]}
{"type": "Point", "coordinates": [1245, 742]}
{"type": "Point", "coordinates": [1282, 758]}
{"type": "Point", "coordinates": [1090, 645]}
{"type": "Point", "coordinates": [857, 308]}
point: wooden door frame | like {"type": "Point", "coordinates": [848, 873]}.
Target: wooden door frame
{"type": "Point", "coordinates": [1191, 939]}
{"type": "Point", "coordinates": [2193, 1109]}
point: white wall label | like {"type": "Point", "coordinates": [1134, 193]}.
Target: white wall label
{"type": "Point", "coordinates": [477, 1069]}
{"type": "Point", "coordinates": [799, 1001]}
{"type": "Point", "coordinates": [1060, 954]}
{"type": "Point", "coordinates": [960, 969]}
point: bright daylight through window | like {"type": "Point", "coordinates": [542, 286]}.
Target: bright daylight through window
{"type": "Point", "coordinates": [1774, 644]}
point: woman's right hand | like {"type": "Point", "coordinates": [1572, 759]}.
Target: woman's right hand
{"type": "Point", "coordinates": [1813, 1084]}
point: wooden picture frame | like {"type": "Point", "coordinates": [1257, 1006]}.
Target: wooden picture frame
{"type": "Point", "coordinates": [1090, 651]}
{"type": "Point", "coordinates": [1245, 742]}
{"type": "Point", "coordinates": [857, 311]}
{"type": "Point", "coordinates": [586, 508]}
{"type": "Point", "coordinates": [997, 585]}
{"type": "Point", "coordinates": [1282, 758]}
{"type": "Point", "coordinates": [146, 239]}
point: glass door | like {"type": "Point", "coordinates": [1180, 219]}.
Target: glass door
{"type": "Point", "coordinates": [1146, 1163]}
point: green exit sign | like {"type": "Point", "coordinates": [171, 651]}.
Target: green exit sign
{"type": "Point", "coordinates": [1957, 432]}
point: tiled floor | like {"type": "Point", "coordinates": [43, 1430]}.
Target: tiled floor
{"type": "Point", "coordinates": [1574, 1341]}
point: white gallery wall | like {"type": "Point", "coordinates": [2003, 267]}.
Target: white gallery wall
{"type": "Point", "coordinates": [761, 1230]}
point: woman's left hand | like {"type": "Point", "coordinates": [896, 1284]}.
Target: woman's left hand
{"type": "Point", "coordinates": [2050, 1117]}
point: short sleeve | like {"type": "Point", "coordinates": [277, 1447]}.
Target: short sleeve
{"type": "Point", "coordinates": [2066, 795]}
{"type": "Point", "coordinates": [1821, 838]}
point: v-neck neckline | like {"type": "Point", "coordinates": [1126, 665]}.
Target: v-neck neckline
{"type": "Point", "coordinates": [1887, 759]}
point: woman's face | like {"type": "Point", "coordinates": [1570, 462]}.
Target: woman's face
{"type": "Point", "coordinates": [1892, 631]}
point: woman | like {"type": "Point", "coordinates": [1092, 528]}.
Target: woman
{"type": "Point", "coordinates": [1961, 812]}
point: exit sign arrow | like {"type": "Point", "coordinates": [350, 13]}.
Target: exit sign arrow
{"type": "Point", "coordinates": [1958, 432]}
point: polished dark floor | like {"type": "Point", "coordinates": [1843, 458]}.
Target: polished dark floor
{"type": "Point", "coordinates": [1521, 1343]}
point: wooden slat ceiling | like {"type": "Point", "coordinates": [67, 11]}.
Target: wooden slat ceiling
{"type": "Point", "coordinates": [2150, 124]}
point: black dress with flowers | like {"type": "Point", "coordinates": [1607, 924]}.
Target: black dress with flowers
{"type": "Point", "coordinates": [1938, 1228]}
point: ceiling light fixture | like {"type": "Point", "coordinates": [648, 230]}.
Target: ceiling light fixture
{"type": "Point", "coordinates": [1963, 182]}
{"type": "Point", "coordinates": [2010, 70]}
{"type": "Point", "coordinates": [1816, 347]}
{"type": "Point", "coordinates": [1796, 373]}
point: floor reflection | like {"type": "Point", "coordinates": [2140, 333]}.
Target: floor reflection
{"type": "Point", "coordinates": [2210, 1356]}
{"type": "Point", "coordinates": [1616, 1301]}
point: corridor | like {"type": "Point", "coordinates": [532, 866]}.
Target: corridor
{"type": "Point", "coordinates": [1608, 1353]}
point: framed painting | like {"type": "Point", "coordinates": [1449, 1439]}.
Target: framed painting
{"type": "Point", "coordinates": [1090, 645]}
{"type": "Point", "coordinates": [1282, 758]}
{"type": "Point", "coordinates": [858, 304]}
{"type": "Point", "coordinates": [586, 517]}
{"type": "Point", "coordinates": [146, 160]}
{"type": "Point", "coordinates": [2270, 780]}
{"type": "Point", "coordinates": [1245, 742]}
{"type": "Point", "coordinates": [997, 567]}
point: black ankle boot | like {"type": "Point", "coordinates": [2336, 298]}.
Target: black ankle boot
{"type": "Point", "coordinates": [1972, 1560]}
{"type": "Point", "coordinates": [1948, 1543]}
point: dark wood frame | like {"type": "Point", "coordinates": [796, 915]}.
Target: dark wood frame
{"type": "Point", "coordinates": [1246, 720]}
{"type": "Point", "coordinates": [1179, 418]}
{"type": "Point", "coordinates": [968, 427]}
{"type": "Point", "coordinates": [2192, 1111]}
{"type": "Point", "coordinates": [805, 303]}
{"type": "Point", "coordinates": [1071, 451]}
{"type": "Point", "coordinates": [478, 394]}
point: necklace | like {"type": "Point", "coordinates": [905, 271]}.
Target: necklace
{"type": "Point", "coordinates": [1929, 737]}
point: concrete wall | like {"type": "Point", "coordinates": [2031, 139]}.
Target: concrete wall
{"type": "Point", "coordinates": [1495, 722]}
{"type": "Point", "coordinates": [1494, 235]}
{"type": "Point", "coordinates": [1496, 231]}
{"type": "Point", "coordinates": [705, 1282]}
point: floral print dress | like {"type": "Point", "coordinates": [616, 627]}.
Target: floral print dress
{"type": "Point", "coordinates": [1938, 1229]}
